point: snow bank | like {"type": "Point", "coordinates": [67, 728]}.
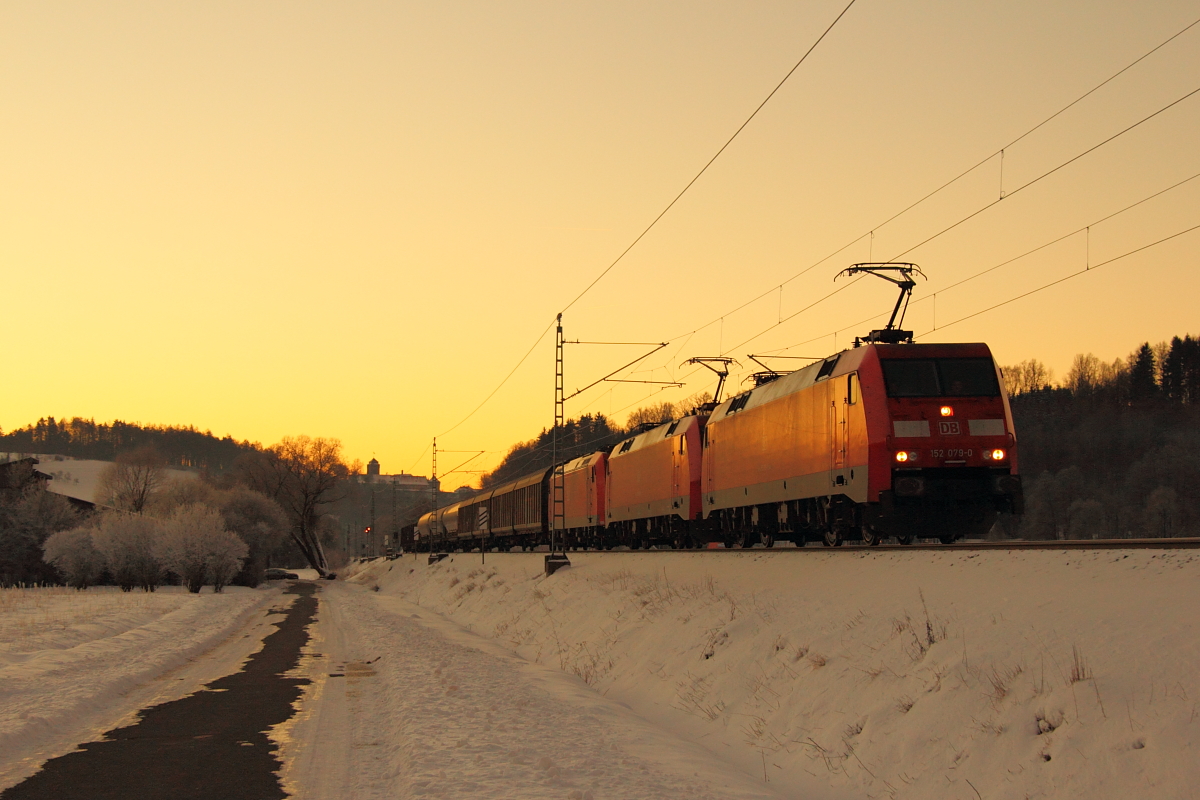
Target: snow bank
{"type": "Point", "coordinates": [843, 674]}
{"type": "Point", "coordinates": [72, 664]}
{"type": "Point", "coordinates": [401, 707]}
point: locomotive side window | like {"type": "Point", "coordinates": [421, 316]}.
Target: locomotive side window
{"type": "Point", "coordinates": [943, 377]}
{"type": "Point", "coordinates": [852, 388]}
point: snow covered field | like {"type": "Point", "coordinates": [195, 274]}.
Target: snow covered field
{"type": "Point", "coordinates": [80, 477]}
{"type": "Point", "coordinates": [75, 664]}
{"type": "Point", "coordinates": [919, 674]}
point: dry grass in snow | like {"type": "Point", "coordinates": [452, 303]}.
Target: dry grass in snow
{"type": "Point", "coordinates": [1024, 674]}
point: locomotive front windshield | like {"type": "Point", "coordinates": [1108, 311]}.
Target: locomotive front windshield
{"type": "Point", "coordinates": [940, 377]}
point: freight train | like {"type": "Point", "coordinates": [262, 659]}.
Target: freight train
{"type": "Point", "coordinates": [884, 440]}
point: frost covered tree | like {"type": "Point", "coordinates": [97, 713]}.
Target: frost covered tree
{"type": "Point", "coordinates": [255, 518]}
{"type": "Point", "coordinates": [129, 544]}
{"type": "Point", "coordinates": [225, 556]}
{"type": "Point", "coordinates": [196, 546]}
{"type": "Point", "coordinates": [75, 557]}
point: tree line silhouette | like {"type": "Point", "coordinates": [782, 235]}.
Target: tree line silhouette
{"type": "Point", "coordinates": [1113, 451]}
{"type": "Point", "coordinates": [179, 446]}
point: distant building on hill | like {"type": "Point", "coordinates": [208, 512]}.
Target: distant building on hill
{"type": "Point", "coordinates": [403, 481]}
{"type": "Point", "coordinates": [372, 468]}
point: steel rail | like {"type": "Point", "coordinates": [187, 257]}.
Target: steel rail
{"type": "Point", "coordinates": [1189, 543]}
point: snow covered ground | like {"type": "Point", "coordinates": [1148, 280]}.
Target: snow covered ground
{"type": "Point", "coordinates": [405, 704]}
{"type": "Point", "coordinates": [75, 664]}
{"type": "Point", "coordinates": [1021, 674]}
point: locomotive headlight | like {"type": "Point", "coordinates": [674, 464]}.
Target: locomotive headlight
{"type": "Point", "coordinates": [905, 456]}
{"type": "Point", "coordinates": [994, 455]}
{"type": "Point", "coordinates": [947, 411]}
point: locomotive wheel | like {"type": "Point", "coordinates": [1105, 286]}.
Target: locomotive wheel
{"type": "Point", "coordinates": [833, 536]}
{"type": "Point", "coordinates": [870, 536]}
{"type": "Point", "coordinates": [905, 539]}
{"type": "Point", "coordinates": [947, 539]}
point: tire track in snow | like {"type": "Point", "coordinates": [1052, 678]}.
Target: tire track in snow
{"type": "Point", "coordinates": [432, 717]}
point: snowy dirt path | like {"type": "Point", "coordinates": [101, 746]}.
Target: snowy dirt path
{"type": "Point", "coordinates": [73, 665]}
{"type": "Point", "coordinates": [406, 704]}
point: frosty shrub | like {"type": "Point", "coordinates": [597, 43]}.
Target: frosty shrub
{"type": "Point", "coordinates": [197, 547]}
{"type": "Point", "coordinates": [225, 556]}
{"type": "Point", "coordinates": [129, 544]}
{"type": "Point", "coordinates": [181, 491]}
{"type": "Point", "coordinates": [75, 557]}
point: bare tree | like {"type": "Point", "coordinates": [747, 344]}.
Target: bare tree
{"type": "Point", "coordinates": [129, 483]}
{"type": "Point", "coordinates": [303, 475]}
{"type": "Point", "coordinates": [1085, 374]}
{"type": "Point", "coordinates": [1026, 376]}
{"type": "Point", "coordinates": [652, 414]}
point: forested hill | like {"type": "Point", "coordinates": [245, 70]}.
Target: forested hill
{"type": "Point", "coordinates": [1113, 450]}
{"type": "Point", "coordinates": [86, 438]}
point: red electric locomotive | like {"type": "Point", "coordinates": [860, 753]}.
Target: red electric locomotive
{"type": "Point", "coordinates": [899, 440]}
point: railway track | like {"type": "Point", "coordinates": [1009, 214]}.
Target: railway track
{"type": "Point", "coordinates": [1192, 543]}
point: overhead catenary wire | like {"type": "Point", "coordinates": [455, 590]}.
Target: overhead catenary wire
{"type": "Point", "coordinates": [873, 229]}
{"type": "Point", "coordinates": [1006, 262]}
{"type": "Point", "coordinates": [973, 214]}
{"type": "Point", "coordinates": [661, 214]}
{"type": "Point", "coordinates": [500, 385]}
{"type": "Point", "coordinates": [704, 169]}
{"type": "Point", "coordinates": [960, 176]}
{"type": "Point", "coordinates": [1085, 271]}
{"type": "Point", "coordinates": [1046, 174]}
{"type": "Point", "coordinates": [981, 273]}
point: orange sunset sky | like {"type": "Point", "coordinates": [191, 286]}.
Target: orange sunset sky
{"type": "Point", "coordinates": [353, 219]}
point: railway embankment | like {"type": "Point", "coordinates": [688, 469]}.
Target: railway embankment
{"type": "Point", "coordinates": [922, 674]}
